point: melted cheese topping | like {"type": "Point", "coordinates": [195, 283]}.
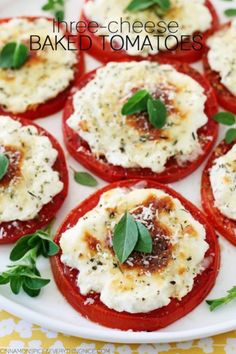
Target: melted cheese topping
{"type": "Point", "coordinates": [223, 183]}
{"type": "Point", "coordinates": [98, 120]}
{"type": "Point", "coordinates": [45, 74]}
{"type": "Point", "coordinates": [127, 287]}
{"type": "Point", "coordinates": [31, 181]}
{"type": "Point", "coordinates": [222, 55]}
{"type": "Point", "coordinates": [191, 16]}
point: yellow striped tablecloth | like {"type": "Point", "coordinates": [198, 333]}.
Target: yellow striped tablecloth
{"type": "Point", "coordinates": [17, 334]}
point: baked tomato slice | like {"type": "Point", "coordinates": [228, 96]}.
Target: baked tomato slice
{"type": "Point", "coordinates": [80, 150]}
{"type": "Point", "coordinates": [225, 98]}
{"type": "Point", "coordinates": [12, 231]}
{"type": "Point", "coordinates": [188, 53]}
{"type": "Point", "coordinates": [96, 311]}
{"type": "Point", "coordinates": [57, 103]}
{"type": "Point", "coordinates": [225, 226]}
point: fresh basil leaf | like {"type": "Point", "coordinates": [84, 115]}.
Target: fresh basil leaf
{"type": "Point", "coordinates": [4, 164]}
{"type": "Point", "coordinates": [125, 237]}
{"type": "Point", "coordinates": [223, 300]}
{"type": "Point", "coordinates": [48, 6]}
{"type": "Point", "coordinates": [85, 179]}
{"type": "Point", "coordinates": [35, 283]}
{"type": "Point", "coordinates": [230, 12]}
{"type": "Point", "coordinates": [225, 118]}
{"type": "Point", "coordinates": [4, 279]}
{"type": "Point", "coordinates": [6, 55]}
{"type": "Point", "coordinates": [60, 15]}
{"type": "Point", "coordinates": [137, 103]}
{"type": "Point", "coordinates": [164, 4]}
{"type": "Point", "coordinates": [144, 243]}
{"type": "Point", "coordinates": [157, 113]}
{"type": "Point", "coordinates": [21, 248]}
{"type": "Point", "coordinates": [53, 249]}
{"type": "Point", "coordinates": [56, 7]}
{"type": "Point", "coordinates": [230, 136]}
{"type": "Point", "coordinates": [20, 56]}
{"type": "Point", "coordinates": [15, 284]}
{"type": "Point", "coordinates": [138, 5]}
{"type": "Point", "coordinates": [30, 292]}
{"type": "Point", "coordinates": [40, 240]}
{"type": "Point", "coordinates": [13, 55]}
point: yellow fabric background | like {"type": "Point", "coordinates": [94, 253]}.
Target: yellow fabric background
{"type": "Point", "coordinates": [19, 334]}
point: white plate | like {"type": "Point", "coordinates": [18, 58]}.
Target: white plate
{"type": "Point", "coordinates": [50, 310]}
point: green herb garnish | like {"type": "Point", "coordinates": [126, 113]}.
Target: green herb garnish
{"type": "Point", "coordinates": [23, 273]}
{"type": "Point", "coordinates": [230, 12]}
{"type": "Point", "coordinates": [4, 164]}
{"type": "Point", "coordinates": [223, 300]}
{"type": "Point", "coordinates": [160, 6]}
{"type": "Point", "coordinates": [144, 243]}
{"type": "Point", "coordinates": [13, 56]}
{"type": "Point", "coordinates": [227, 118]}
{"type": "Point", "coordinates": [56, 8]}
{"type": "Point", "coordinates": [85, 178]}
{"type": "Point", "coordinates": [230, 136]}
{"type": "Point", "coordinates": [137, 103]}
{"type": "Point", "coordinates": [142, 101]}
{"type": "Point", "coordinates": [157, 113]}
{"type": "Point", "coordinates": [130, 235]}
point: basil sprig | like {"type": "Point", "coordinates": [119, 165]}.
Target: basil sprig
{"type": "Point", "coordinates": [222, 300]}
{"type": "Point", "coordinates": [13, 55]}
{"type": "Point", "coordinates": [23, 272]}
{"type": "Point", "coordinates": [160, 6]}
{"type": "Point", "coordinates": [229, 119]}
{"type": "Point", "coordinates": [4, 164]}
{"type": "Point", "coordinates": [56, 8]}
{"type": "Point", "coordinates": [130, 235]}
{"type": "Point", "coordinates": [142, 101]}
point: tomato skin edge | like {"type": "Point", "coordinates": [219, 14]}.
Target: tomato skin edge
{"type": "Point", "coordinates": [48, 211]}
{"type": "Point", "coordinates": [57, 103]}
{"type": "Point", "coordinates": [154, 320]}
{"type": "Point", "coordinates": [225, 226]}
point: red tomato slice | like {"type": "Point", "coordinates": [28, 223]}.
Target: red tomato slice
{"type": "Point", "coordinates": [187, 55]}
{"type": "Point", "coordinates": [57, 103]}
{"type": "Point", "coordinates": [79, 149]}
{"type": "Point", "coordinates": [225, 226]}
{"type": "Point", "coordinates": [65, 277]}
{"type": "Point", "coordinates": [225, 98]}
{"type": "Point", "coordinates": [12, 231]}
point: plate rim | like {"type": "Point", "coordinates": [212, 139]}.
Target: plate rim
{"type": "Point", "coordinates": [116, 336]}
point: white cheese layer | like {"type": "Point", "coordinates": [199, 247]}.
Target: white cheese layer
{"type": "Point", "coordinates": [45, 74]}
{"type": "Point", "coordinates": [36, 183]}
{"type": "Point", "coordinates": [222, 55]}
{"type": "Point", "coordinates": [129, 288]}
{"type": "Point", "coordinates": [191, 16]}
{"type": "Point", "coordinates": [97, 115]}
{"type": "Point", "coordinates": [223, 183]}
